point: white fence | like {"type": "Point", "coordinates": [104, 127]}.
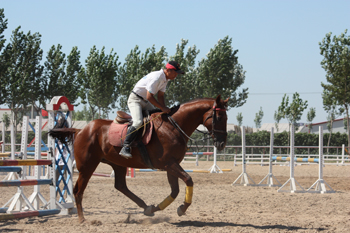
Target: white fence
{"type": "Point", "coordinates": [339, 158]}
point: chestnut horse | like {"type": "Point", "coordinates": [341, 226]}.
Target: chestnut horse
{"type": "Point", "coordinates": [166, 149]}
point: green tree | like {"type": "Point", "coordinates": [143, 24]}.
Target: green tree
{"type": "Point", "coordinates": [310, 117]}
{"type": "Point", "coordinates": [291, 112]}
{"type": "Point", "coordinates": [100, 81]}
{"type": "Point", "coordinates": [54, 73]}
{"type": "Point", "coordinates": [258, 118]}
{"type": "Point", "coordinates": [333, 110]}
{"type": "Point", "coordinates": [24, 74]}
{"type": "Point", "coordinates": [6, 119]}
{"type": "Point", "coordinates": [184, 87]}
{"type": "Point", "coordinates": [277, 117]}
{"type": "Point", "coordinates": [220, 73]}
{"type": "Point", "coordinates": [3, 60]}
{"type": "Point", "coordinates": [62, 76]}
{"type": "Point", "coordinates": [336, 63]}
{"type": "Point", "coordinates": [239, 118]}
{"type": "Point", "coordinates": [86, 115]}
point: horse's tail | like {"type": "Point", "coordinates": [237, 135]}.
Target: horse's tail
{"type": "Point", "coordinates": [65, 134]}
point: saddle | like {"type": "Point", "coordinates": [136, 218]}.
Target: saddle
{"type": "Point", "coordinates": [118, 130]}
{"type": "Point", "coordinates": [122, 118]}
{"type": "Point", "coordinates": [119, 127]}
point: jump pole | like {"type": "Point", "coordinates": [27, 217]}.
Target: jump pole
{"type": "Point", "coordinates": [12, 175]}
{"type": "Point", "coordinates": [269, 177]}
{"type": "Point", "coordinates": [36, 213]}
{"type": "Point", "coordinates": [320, 185]}
{"type": "Point", "coordinates": [293, 183]}
{"type": "Point", "coordinates": [19, 201]}
{"type": "Point", "coordinates": [215, 168]}
{"type": "Point", "coordinates": [244, 175]}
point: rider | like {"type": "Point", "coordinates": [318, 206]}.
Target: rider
{"type": "Point", "coordinates": [142, 98]}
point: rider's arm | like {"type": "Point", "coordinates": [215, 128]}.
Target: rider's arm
{"type": "Point", "coordinates": [158, 103]}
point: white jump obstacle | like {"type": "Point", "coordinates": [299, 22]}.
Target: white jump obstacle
{"type": "Point", "coordinates": [292, 181]}
{"type": "Point", "coordinates": [19, 202]}
{"type": "Point", "coordinates": [19, 205]}
{"type": "Point", "coordinates": [244, 175]}
{"type": "Point", "coordinates": [320, 185]}
{"type": "Point", "coordinates": [269, 177]}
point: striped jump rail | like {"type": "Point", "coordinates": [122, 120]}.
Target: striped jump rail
{"type": "Point", "coordinates": [10, 183]}
{"type": "Point", "coordinates": [5, 154]}
{"type": "Point", "coordinates": [38, 213]}
{"type": "Point", "coordinates": [10, 169]}
{"type": "Point", "coordinates": [25, 162]}
{"type": "Point", "coordinates": [296, 159]}
{"type": "Point", "coordinates": [195, 171]}
{"type": "Point", "coordinates": [199, 153]}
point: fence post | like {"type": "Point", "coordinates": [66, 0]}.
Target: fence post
{"type": "Point", "coordinates": [343, 154]}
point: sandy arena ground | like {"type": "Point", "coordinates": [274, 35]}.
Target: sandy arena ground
{"type": "Point", "coordinates": [217, 206]}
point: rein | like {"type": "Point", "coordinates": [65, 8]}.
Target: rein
{"type": "Point", "coordinates": [212, 132]}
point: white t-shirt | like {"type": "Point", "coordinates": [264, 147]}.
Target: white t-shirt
{"type": "Point", "coordinates": [152, 82]}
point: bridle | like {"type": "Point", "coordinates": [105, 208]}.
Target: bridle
{"type": "Point", "coordinates": [213, 115]}
{"type": "Point", "coordinates": [211, 133]}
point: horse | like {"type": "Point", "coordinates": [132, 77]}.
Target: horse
{"type": "Point", "coordinates": [166, 149]}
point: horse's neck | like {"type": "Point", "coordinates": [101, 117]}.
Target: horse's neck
{"type": "Point", "coordinates": [189, 117]}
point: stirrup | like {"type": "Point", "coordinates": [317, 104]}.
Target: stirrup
{"type": "Point", "coordinates": [126, 152]}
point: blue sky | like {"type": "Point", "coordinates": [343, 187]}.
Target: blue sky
{"type": "Point", "coordinates": [277, 40]}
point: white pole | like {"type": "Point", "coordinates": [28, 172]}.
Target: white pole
{"type": "Point", "coordinates": [343, 154]}
{"type": "Point", "coordinates": [292, 182]}
{"type": "Point", "coordinates": [320, 185]}
{"type": "Point", "coordinates": [244, 176]}
{"type": "Point", "coordinates": [3, 137]}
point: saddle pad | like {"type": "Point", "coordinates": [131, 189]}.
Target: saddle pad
{"type": "Point", "coordinates": [117, 134]}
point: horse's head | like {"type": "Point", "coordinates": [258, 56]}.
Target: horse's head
{"type": "Point", "coordinates": [217, 126]}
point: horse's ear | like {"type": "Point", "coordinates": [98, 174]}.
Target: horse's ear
{"type": "Point", "coordinates": [226, 101]}
{"type": "Point", "coordinates": [217, 100]}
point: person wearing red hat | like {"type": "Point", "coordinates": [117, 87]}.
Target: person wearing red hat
{"type": "Point", "coordinates": [142, 98]}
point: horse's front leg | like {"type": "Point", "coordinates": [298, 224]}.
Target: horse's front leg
{"type": "Point", "coordinates": [120, 185]}
{"type": "Point", "coordinates": [175, 171]}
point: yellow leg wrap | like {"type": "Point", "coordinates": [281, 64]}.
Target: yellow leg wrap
{"type": "Point", "coordinates": [189, 194]}
{"type": "Point", "coordinates": [167, 201]}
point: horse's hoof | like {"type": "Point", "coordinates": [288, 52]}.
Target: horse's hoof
{"type": "Point", "coordinates": [148, 211]}
{"type": "Point", "coordinates": [180, 212]}
{"type": "Point", "coordinates": [81, 220]}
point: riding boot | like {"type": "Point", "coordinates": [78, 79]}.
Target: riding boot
{"type": "Point", "coordinates": [130, 136]}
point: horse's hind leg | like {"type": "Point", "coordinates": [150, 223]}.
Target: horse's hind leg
{"type": "Point", "coordinates": [174, 172]}
{"type": "Point", "coordinates": [120, 185]}
{"type": "Point", "coordinates": [82, 181]}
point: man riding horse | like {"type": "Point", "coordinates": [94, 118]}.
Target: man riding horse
{"type": "Point", "coordinates": [142, 98]}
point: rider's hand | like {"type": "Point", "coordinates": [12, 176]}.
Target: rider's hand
{"type": "Point", "coordinates": [166, 109]}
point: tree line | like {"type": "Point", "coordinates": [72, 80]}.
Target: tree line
{"type": "Point", "coordinates": [28, 77]}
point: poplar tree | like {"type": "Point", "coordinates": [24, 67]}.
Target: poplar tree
{"type": "Point", "coordinates": [220, 73]}
{"type": "Point", "coordinates": [3, 60]}
{"type": "Point", "coordinates": [336, 63]}
{"type": "Point", "coordinates": [62, 75]}
{"type": "Point", "coordinates": [310, 117]}
{"type": "Point", "coordinates": [100, 81]}
{"type": "Point", "coordinates": [184, 87]}
{"type": "Point", "coordinates": [24, 81]}
{"type": "Point", "coordinates": [258, 118]}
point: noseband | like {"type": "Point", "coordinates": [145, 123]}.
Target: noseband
{"type": "Point", "coordinates": [213, 115]}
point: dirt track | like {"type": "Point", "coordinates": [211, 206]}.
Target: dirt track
{"type": "Point", "coordinates": [217, 206]}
